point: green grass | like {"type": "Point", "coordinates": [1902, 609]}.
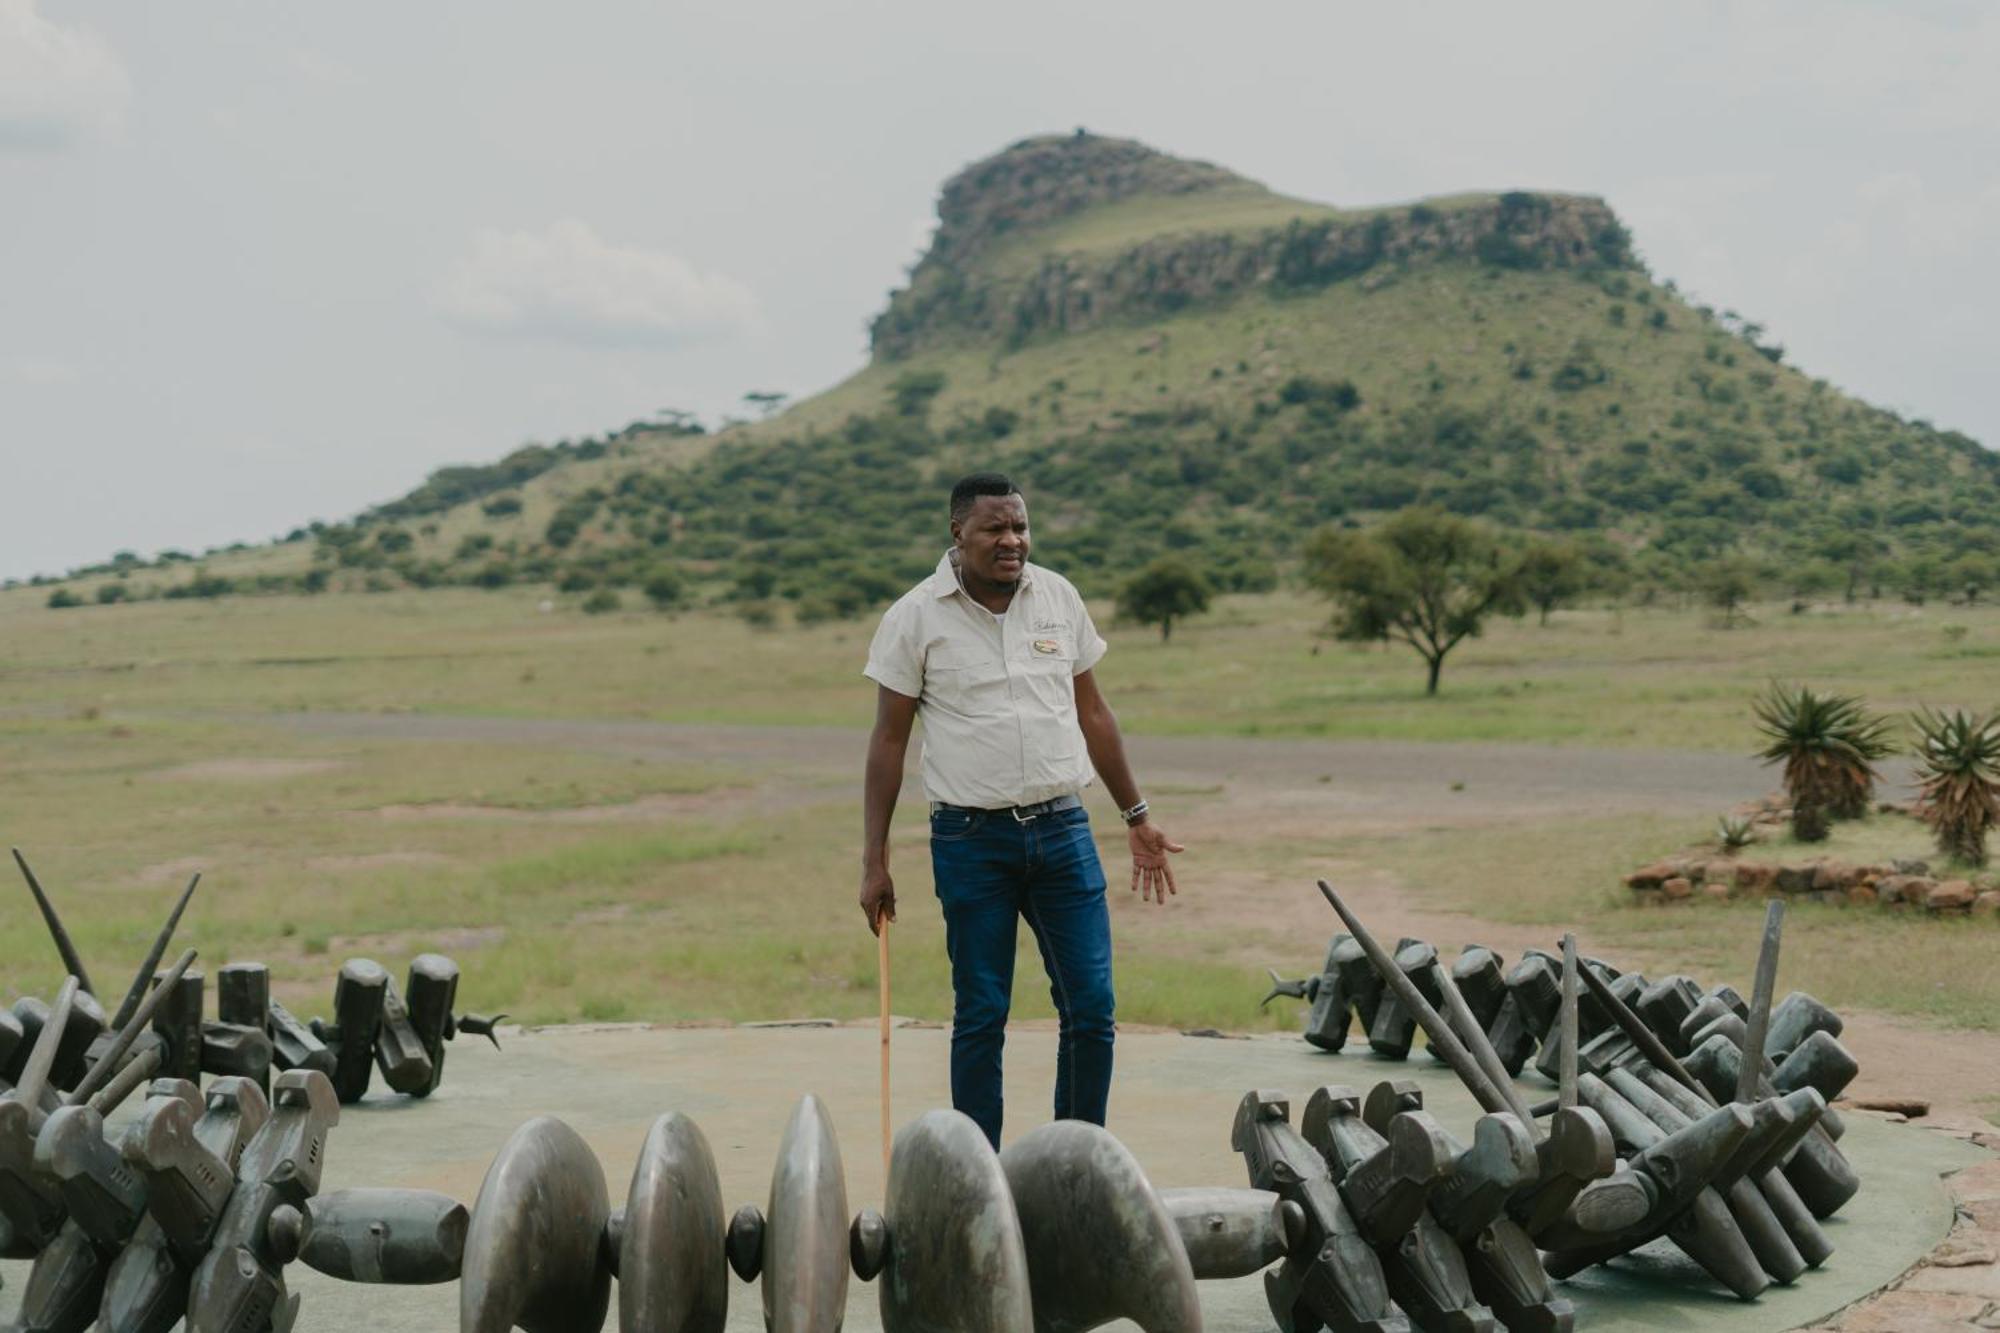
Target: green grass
{"type": "Point", "coordinates": [139, 743]}
{"type": "Point", "coordinates": [1566, 875]}
{"type": "Point", "coordinates": [1636, 678]}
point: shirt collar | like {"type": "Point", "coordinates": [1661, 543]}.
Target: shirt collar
{"type": "Point", "coordinates": [945, 581]}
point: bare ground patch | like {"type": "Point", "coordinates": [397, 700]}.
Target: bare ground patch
{"type": "Point", "coordinates": [662, 805]}
{"type": "Point", "coordinates": [364, 861]}
{"type": "Point", "coordinates": [402, 944]}
{"type": "Point", "coordinates": [246, 769]}
{"type": "Point", "coordinates": [175, 871]}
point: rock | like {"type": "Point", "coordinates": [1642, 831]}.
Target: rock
{"type": "Point", "coordinates": [1964, 1252]}
{"type": "Point", "coordinates": [1878, 871]}
{"type": "Point", "coordinates": [1987, 903]}
{"type": "Point", "coordinates": [1912, 1312]}
{"type": "Point", "coordinates": [1650, 877]}
{"type": "Point", "coordinates": [1910, 867]}
{"type": "Point", "coordinates": [1677, 887]}
{"type": "Point", "coordinates": [1904, 888]}
{"type": "Point", "coordinates": [1861, 895]}
{"type": "Point", "coordinates": [1908, 1106]}
{"type": "Point", "coordinates": [1717, 890]}
{"type": "Point", "coordinates": [1953, 895]}
{"type": "Point", "coordinates": [1754, 876]}
{"type": "Point", "coordinates": [1794, 879]}
{"type": "Point", "coordinates": [1834, 875]}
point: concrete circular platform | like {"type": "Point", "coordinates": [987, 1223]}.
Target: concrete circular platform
{"type": "Point", "coordinates": [1171, 1104]}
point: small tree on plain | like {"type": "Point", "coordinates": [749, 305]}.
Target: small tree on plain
{"type": "Point", "coordinates": [1972, 574]}
{"type": "Point", "coordinates": [1552, 575]}
{"type": "Point", "coordinates": [1425, 577]}
{"type": "Point", "coordinates": [1726, 584]}
{"type": "Point", "coordinates": [1162, 592]}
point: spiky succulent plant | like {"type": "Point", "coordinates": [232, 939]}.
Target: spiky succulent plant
{"type": "Point", "coordinates": [1958, 779]}
{"type": "Point", "coordinates": [1828, 744]}
{"type": "Point", "coordinates": [1735, 832]}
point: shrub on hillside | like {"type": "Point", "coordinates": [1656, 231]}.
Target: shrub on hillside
{"type": "Point", "coordinates": [62, 599]}
{"type": "Point", "coordinates": [663, 588]}
{"type": "Point", "coordinates": [600, 602]}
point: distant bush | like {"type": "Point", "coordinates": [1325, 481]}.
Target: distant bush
{"type": "Point", "coordinates": [494, 574]}
{"type": "Point", "coordinates": [62, 599]}
{"type": "Point", "coordinates": [601, 601]}
{"type": "Point", "coordinates": [912, 391]}
{"type": "Point", "coordinates": [997, 423]}
{"type": "Point", "coordinates": [1338, 394]}
{"type": "Point", "coordinates": [501, 505]}
{"type": "Point", "coordinates": [663, 589]}
{"type": "Point", "coordinates": [107, 593]}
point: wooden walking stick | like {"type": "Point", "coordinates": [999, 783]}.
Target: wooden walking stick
{"type": "Point", "coordinates": [882, 971]}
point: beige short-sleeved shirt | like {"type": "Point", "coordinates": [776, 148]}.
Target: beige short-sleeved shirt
{"type": "Point", "coordinates": [996, 694]}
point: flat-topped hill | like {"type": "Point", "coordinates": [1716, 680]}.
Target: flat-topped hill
{"type": "Point", "coordinates": [1173, 357]}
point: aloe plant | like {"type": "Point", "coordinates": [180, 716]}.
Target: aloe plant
{"type": "Point", "coordinates": [1735, 832]}
{"type": "Point", "coordinates": [1958, 780]}
{"type": "Point", "coordinates": [1828, 744]}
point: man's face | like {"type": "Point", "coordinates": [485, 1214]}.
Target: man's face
{"type": "Point", "coordinates": [993, 538]}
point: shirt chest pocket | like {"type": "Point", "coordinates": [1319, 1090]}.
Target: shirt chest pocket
{"type": "Point", "coordinates": [1047, 662]}
{"type": "Point", "coordinates": [965, 679]}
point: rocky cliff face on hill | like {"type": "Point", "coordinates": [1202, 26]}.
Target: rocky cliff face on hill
{"type": "Point", "coordinates": [1041, 181]}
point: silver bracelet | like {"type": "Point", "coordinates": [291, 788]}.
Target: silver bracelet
{"type": "Point", "coordinates": [1135, 814]}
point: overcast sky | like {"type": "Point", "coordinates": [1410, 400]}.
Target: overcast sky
{"type": "Point", "coordinates": [263, 263]}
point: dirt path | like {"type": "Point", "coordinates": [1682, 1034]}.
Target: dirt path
{"type": "Point", "coordinates": [1290, 790]}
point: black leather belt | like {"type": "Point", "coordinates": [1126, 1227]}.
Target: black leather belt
{"type": "Point", "coordinates": [1022, 813]}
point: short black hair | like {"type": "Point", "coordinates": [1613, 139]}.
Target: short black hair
{"type": "Point", "coordinates": [970, 488]}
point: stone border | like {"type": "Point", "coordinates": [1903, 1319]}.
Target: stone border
{"type": "Point", "coordinates": [1898, 885]}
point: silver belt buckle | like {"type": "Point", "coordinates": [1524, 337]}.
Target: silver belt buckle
{"type": "Point", "coordinates": [1019, 818]}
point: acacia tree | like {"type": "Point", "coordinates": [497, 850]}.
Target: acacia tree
{"type": "Point", "coordinates": [1425, 577]}
{"type": "Point", "coordinates": [1726, 583]}
{"type": "Point", "coordinates": [1164, 590]}
{"type": "Point", "coordinates": [1552, 573]}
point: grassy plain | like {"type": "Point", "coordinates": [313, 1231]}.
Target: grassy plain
{"type": "Point", "coordinates": [139, 743]}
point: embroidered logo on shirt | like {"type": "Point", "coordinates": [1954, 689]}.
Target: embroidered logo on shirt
{"type": "Point", "coordinates": [1047, 646]}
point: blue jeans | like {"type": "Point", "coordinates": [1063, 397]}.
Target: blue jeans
{"type": "Point", "coordinates": [991, 870]}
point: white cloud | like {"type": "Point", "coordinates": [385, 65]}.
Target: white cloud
{"type": "Point", "coordinates": [568, 282]}
{"type": "Point", "coordinates": [57, 84]}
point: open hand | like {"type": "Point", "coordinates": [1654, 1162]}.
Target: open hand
{"type": "Point", "coordinates": [1152, 877]}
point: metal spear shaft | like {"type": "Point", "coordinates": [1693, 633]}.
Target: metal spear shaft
{"type": "Point", "coordinates": [1751, 1069]}
{"type": "Point", "coordinates": [1566, 1053]}
{"type": "Point", "coordinates": [153, 956]}
{"type": "Point", "coordinates": [1442, 1038]}
{"type": "Point", "coordinates": [64, 946]}
{"type": "Point", "coordinates": [107, 1065]}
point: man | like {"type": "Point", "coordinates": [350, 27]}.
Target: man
{"type": "Point", "coordinates": [995, 655]}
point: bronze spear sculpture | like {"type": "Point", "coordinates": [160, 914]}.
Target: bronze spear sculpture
{"type": "Point", "coordinates": [71, 962]}
{"type": "Point", "coordinates": [144, 976]}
